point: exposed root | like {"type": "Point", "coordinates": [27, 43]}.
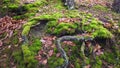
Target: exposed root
{"type": "Point", "coordinates": [71, 38]}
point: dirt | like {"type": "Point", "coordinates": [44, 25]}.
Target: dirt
{"type": "Point", "coordinates": [39, 29]}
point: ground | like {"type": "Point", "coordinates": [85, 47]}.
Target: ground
{"type": "Point", "coordinates": [89, 35]}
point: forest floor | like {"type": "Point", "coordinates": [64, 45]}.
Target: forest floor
{"type": "Point", "coordinates": [39, 50]}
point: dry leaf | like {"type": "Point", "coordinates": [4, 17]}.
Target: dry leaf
{"type": "Point", "coordinates": [50, 52]}
{"type": "Point", "coordinates": [97, 47]}
{"type": "Point", "coordinates": [1, 43]}
{"type": "Point", "coordinates": [87, 66]}
{"type": "Point", "coordinates": [58, 55]}
{"type": "Point", "coordinates": [44, 62]}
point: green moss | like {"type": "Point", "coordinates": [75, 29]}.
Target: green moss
{"type": "Point", "coordinates": [72, 14]}
{"type": "Point", "coordinates": [97, 29]}
{"type": "Point", "coordinates": [13, 7]}
{"type": "Point", "coordinates": [52, 16]}
{"type": "Point", "coordinates": [98, 63]}
{"type": "Point", "coordinates": [88, 24]}
{"type": "Point", "coordinates": [28, 10]}
{"type": "Point", "coordinates": [26, 30]}
{"type": "Point", "coordinates": [100, 7]}
{"type": "Point", "coordinates": [36, 46]}
{"type": "Point", "coordinates": [111, 59]}
{"type": "Point", "coordinates": [15, 40]}
{"type": "Point", "coordinates": [29, 14]}
{"type": "Point", "coordinates": [103, 32]}
{"type": "Point", "coordinates": [94, 26]}
{"type": "Point", "coordinates": [54, 62]}
{"type": "Point", "coordinates": [33, 21]}
{"type": "Point", "coordinates": [25, 57]}
{"type": "Point", "coordinates": [17, 56]}
{"type": "Point", "coordinates": [66, 28]}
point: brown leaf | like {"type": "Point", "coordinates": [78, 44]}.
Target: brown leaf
{"type": "Point", "coordinates": [50, 52]}
{"type": "Point", "coordinates": [58, 55]}
{"type": "Point", "coordinates": [97, 47]}
{"type": "Point", "coordinates": [87, 66]}
{"type": "Point", "coordinates": [10, 34]}
{"type": "Point", "coordinates": [1, 43]}
{"type": "Point", "coordinates": [72, 66]}
{"type": "Point", "coordinates": [99, 52]}
{"type": "Point", "coordinates": [69, 43]}
{"type": "Point", "coordinates": [44, 62]}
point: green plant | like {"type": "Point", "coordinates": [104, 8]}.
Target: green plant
{"type": "Point", "coordinates": [25, 57]}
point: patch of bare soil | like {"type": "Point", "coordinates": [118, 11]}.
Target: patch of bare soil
{"type": "Point", "coordinates": [39, 29]}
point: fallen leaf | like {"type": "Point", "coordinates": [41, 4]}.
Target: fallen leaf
{"type": "Point", "coordinates": [88, 66]}
{"type": "Point", "coordinates": [99, 52]}
{"type": "Point", "coordinates": [50, 53]}
{"type": "Point", "coordinates": [44, 62]}
{"type": "Point", "coordinates": [58, 55]}
{"type": "Point", "coordinates": [1, 43]}
{"type": "Point", "coordinates": [43, 41]}
{"type": "Point", "coordinates": [97, 47]}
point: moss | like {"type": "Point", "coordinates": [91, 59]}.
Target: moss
{"type": "Point", "coordinates": [97, 31]}
{"type": "Point", "coordinates": [103, 32]}
{"type": "Point", "coordinates": [72, 14]}
{"type": "Point", "coordinates": [15, 40]}
{"type": "Point", "coordinates": [77, 65]}
{"type": "Point", "coordinates": [13, 7]}
{"type": "Point", "coordinates": [100, 7]}
{"type": "Point", "coordinates": [52, 16]}
{"type": "Point", "coordinates": [26, 30]}
{"type": "Point", "coordinates": [25, 57]}
{"type": "Point", "coordinates": [57, 4]}
{"type": "Point", "coordinates": [33, 21]}
{"type": "Point", "coordinates": [54, 62]}
{"type": "Point", "coordinates": [111, 59]}
{"type": "Point", "coordinates": [66, 28]}
{"type": "Point", "coordinates": [94, 26]}
{"type": "Point", "coordinates": [51, 25]}
{"type": "Point", "coordinates": [36, 46]}
{"type": "Point", "coordinates": [17, 56]}
{"type": "Point", "coordinates": [88, 24]}
{"type": "Point", "coordinates": [28, 10]}
{"type": "Point", "coordinates": [98, 63]}
{"type": "Point", "coordinates": [29, 14]}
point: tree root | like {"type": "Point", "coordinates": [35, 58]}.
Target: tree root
{"type": "Point", "coordinates": [71, 38]}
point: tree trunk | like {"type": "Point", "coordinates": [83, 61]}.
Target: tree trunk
{"type": "Point", "coordinates": [116, 6]}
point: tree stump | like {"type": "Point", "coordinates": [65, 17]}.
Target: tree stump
{"type": "Point", "coordinates": [116, 6]}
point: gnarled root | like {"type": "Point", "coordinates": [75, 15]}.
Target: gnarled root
{"type": "Point", "coordinates": [70, 38]}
